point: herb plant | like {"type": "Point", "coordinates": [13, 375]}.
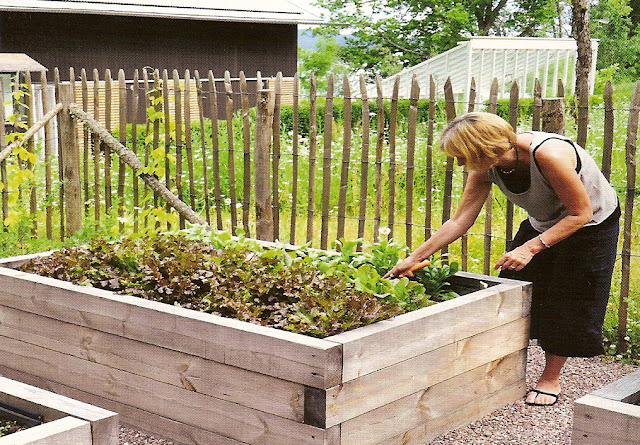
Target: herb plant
{"type": "Point", "coordinates": [303, 290]}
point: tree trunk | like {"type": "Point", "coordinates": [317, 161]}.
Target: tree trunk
{"type": "Point", "coordinates": [582, 34]}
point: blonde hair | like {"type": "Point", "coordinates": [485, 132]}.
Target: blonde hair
{"type": "Point", "coordinates": [478, 138]}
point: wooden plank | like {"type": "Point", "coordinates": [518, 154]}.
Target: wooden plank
{"type": "Point", "coordinates": [104, 424]}
{"type": "Point", "coordinates": [356, 397]}
{"type": "Point", "coordinates": [275, 173]}
{"type": "Point", "coordinates": [364, 158]}
{"type": "Point", "coordinates": [230, 148]}
{"type": "Point", "coordinates": [625, 389]}
{"type": "Point", "coordinates": [313, 142]}
{"type": "Point", "coordinates": [295, 158]}
{"type": "Point", "coordinates": [177, 100]}
{"type": "Point", "coordinates": [65, 431]}
{"type": "Point", "coordinates": [411, 149]}
{"type": "Point", "coordinates": [247, 388]}
{"type": "Point", "coordinates": [326, 164]}
{"type": "Point", "coordinates": [393, 125]}
{"type": "Point", "coordinates": [379, 145]}
{"type": "Point", "coordinates": [608, 131]}
{"type": "Point", "coordinates": [130, 416]}
{"type": "Point", "coordinates": [374, 347]}
{"type": "Point", "coordinates": [246, 145]}
{"type": "Point", "coordinates": [472, 411]}
{"type": "Point", "coordinates": [203, 147]}
{"type": "Point", "coordinates": [310, 361]}
{"type": "Point", "coordinates": [215, 148]}
{"type": "Point", "coordinates": [227, 418]}
{"type": "Point", "coordinates": [597, 420]}
{"type": "Point", "coordinates": [435, 402]}
{"type": "Point", "coordinates": [346, 158]}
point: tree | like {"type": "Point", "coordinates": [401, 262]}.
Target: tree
{"type": "Point", "coordinates": [582, 33]}
{"type": "Point", "coordinates": [388, 35]}
{"type": "Point", "coordinates": [323, 60]}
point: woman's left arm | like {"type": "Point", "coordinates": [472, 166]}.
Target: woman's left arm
{"type": "Point", "coordinates": [557, 162]}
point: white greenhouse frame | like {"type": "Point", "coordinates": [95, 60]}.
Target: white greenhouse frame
{"type": "Point", "coordinates": [504, 58]}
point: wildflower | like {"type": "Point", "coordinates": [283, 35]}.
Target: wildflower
{"type": "Point", "coordinates": [384, 231]}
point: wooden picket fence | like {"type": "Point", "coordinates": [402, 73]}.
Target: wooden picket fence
{"type": "Point", "coordinates": [371, 164]}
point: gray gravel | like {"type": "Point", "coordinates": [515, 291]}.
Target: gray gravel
{"type": "Point", "coordinates": [516, 423]}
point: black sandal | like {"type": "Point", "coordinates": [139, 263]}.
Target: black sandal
{"type": "Point", "coordinates": [538, 392]}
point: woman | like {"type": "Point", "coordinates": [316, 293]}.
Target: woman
{"type": "Point", "coordinates": [567, 246]}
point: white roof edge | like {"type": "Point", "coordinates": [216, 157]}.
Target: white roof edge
{"type": "Point", "coordinates": [300, 16]}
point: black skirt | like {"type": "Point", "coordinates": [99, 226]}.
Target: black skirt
{"type": "Point", "coordinates": [571, 285]}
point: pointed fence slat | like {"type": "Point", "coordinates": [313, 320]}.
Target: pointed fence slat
{"type": "Point", "coordinates": [276, 156]}
{"type": "Point", "coordinates": [85, 141]}
{"type": "Point", "coordinates": [607, 143]}
{"type": "Point", "coordinates": [188, 138]}
{"type": "Point", "coordinates": [411, 150]}
{"type": "Point", "coordinates": [33, 197]}
{"type": "Point", "coordinates": [313, 134]}
{"type": "Point", "coordinates": [393, 128]}
{"type": "Point", "coordinates": [122, 94]}
{"type": "Point", "coordinates": [346, 158]}
{"type": "Point", "coordinates": [428, 218]}
{"type": "Point", "coordinates": [264, 128]}
{"type": "Point", "coordinates": [48, 134]}
{"type": "Point", "coordinates": [326, 164]}
{"type": "Point", "coordinates": [378, 164]}
{"type": "Point", "coordinates": [230, 149]}
{"type": "Point", "coordinates": [464, 252]}
{"type": "Point", "coordinates": [537, 105]}
{"type": "Point", "coordinates": [215, 148]}
{"type": "Point", "coordinates": [448, 179]}
{"type": "Point", "coordinates": [134, 147]}
{"type": "Point", "coordinates": [56, 81]}
{"type": "Point", "coordinates": [167, 134]}
{"type": "Point", "coordinates": [107, 152]}
{"type": "Point", "coordinates": [96, 143]}
{"type": "Point", "coordinates": [295, 159]}
{"type": "Point", "coordinates": [513, 120]}
{"type": "Point", "coordinates": [630, 194]}
{"type": "Point", "coordinates": [246, 151]}
{"type": "Point", "coordinates": [364, 157]}
{"type": "Point", "coordinates": [3, 164]}
{"type": "Point", "coordinates": [203, 147]}
{"type": "Point", "coordinates": [177, 102]}
{"type": "Point", "coordinates": [488, 204]}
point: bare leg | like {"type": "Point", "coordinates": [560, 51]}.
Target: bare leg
{"type": "Point", "coordinates": [549, 380]}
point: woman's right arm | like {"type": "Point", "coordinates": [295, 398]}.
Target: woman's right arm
{"type": "Point", "coordinates": [473, 198]}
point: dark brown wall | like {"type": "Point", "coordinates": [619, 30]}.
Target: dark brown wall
{"type": "Point", "coordinates": [129, 43]}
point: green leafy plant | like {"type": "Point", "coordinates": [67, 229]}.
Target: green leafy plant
{"type": "Point", "coordinates": [303, 290]}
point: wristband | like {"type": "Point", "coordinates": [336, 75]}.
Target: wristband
{"type": "Point", "coordinates": [546, 246]}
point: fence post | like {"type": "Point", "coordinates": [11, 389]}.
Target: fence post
{"type": "Point", "coordinates": [553, 115]}
{"type": "Point", "coordinates": [70, 160]}
{"type": "Point", "coordinates": [262, 166]}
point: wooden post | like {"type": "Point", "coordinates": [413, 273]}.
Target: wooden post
{"type": "Point", "coordinates": [70, 157]}
{"type": "Point", "coordinates": [553, 115]}
{"type": "Point", "coordinates": [607, 142]}
{"type": "Point", "coordinates": [262, 166]}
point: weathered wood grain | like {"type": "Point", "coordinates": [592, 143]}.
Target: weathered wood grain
{"type": "Point", "coordinates": [435, 402]}
{"type": "Point", "coordinates": [376, 346]}
{"type": "Point", "coordinates": [356, 397]}
{"type": "Point", "coordinates": [597, 420]}
{"type": "Point", "coordinates": [65, 431]}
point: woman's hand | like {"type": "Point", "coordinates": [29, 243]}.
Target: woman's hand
{"type": "Point", "coordinates": [515, 259]}
{"type": "Point", "coordinates": [402, 269]}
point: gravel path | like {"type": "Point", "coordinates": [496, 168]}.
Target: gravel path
{"type": "Point", "coordinates": [516, 423]}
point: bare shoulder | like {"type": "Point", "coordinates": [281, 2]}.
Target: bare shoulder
{"type": "Point", "coordinates": [554, 153]}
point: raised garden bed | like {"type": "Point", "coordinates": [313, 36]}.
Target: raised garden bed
{"type": "Point", "coordinates": [610, 415]}
{"type": "Point", "coordinates": [199, 378]}
{"type": "Point", "coordinates": [49, 418]}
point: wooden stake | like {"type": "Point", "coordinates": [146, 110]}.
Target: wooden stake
{"type": "Point", "coordinates": [70, 154]}
{"type": "Point", "coordinates": [264, 127]}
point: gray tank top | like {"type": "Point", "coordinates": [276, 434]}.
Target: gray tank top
{"type": "Point", "coordinates": [541, 201]}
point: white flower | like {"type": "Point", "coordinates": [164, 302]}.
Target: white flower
{"type": "Point", "coordinates": [384, 231]}
{"type": "Point", "coordinates": [627, 338]}
{"type": "Point", "coordinates": [227, 201]}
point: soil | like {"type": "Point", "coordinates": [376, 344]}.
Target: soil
{"type": "Point", "coordinates": [516, 423]}
{"type": "Point", "coordinates": [9, 427]}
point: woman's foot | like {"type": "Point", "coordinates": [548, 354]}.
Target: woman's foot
{"type": "Point", "coordinates": [545, 394]}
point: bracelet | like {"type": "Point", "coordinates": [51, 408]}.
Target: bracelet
{"type": "Point", "coordinates": [546, 246]}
